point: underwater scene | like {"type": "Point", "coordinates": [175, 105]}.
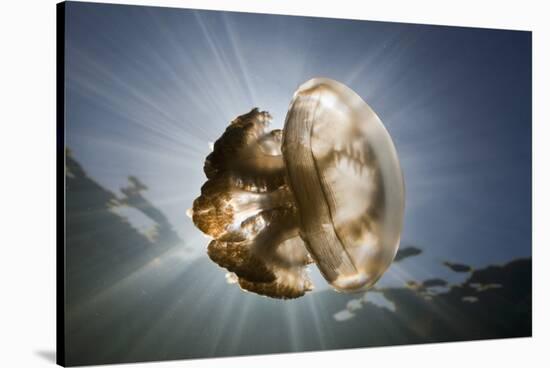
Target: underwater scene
{"type": "Point", "coordinates": [241, 184]}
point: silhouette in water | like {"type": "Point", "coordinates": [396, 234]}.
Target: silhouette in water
{"type": "Point", "coordinates": [102, 246]}
{"type": "Point", "coordinates": [493, 302]}
{"type": "Point", "coordinates": [132, 298]}
{"type": "Point", "coordinates": [407, 252]}
{"type": "Point", "coordinates": [457, 267]}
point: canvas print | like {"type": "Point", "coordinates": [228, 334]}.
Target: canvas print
{"type": "Point", "coordinates": [234, 183]}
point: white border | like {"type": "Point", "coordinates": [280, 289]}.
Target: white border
{"type": "Point", "coordinates": [27, 266]}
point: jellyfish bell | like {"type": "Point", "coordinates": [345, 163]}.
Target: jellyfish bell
{"type": "Point", "coordinates": [328, 190]}
{"type": "Point", "coordinates": [344, 172]}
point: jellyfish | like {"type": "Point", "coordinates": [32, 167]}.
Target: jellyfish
{"type": "Point", "coordinates": [326, 190]}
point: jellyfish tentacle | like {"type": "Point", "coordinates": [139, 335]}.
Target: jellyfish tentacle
{"type": "Point", "coordinates": [247, 149]}
{"type": "Point", "coordinates": [272, 262]}
{"type": "Point", "coordinates": [236, 257]}
{"type": "Point", "coordinates": [223, 206]}
{"type": "Point", "coordinates": [289, 285]}
{"type": "Point", "coordinates": [249, 210]}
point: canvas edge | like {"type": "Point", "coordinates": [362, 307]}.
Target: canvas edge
{"type": "Point", "coordinates": [60, 184]}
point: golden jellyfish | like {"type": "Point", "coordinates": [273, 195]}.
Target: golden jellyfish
{"type": "Point", "coordinates": [327, 189]}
